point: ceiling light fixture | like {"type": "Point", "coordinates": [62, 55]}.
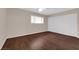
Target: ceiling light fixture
{"type": "Point", "coordinates": [41, 9]}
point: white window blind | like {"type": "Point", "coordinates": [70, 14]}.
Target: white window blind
{"type": "Point", "coordinates": [37, 20]}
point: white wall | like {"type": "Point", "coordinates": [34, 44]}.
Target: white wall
{"type": "Point", "coordinates": [19, 23]}
{"type": "Point", "coordinates": [2, 26]}
{"type": "Point", "coordinates": [64, 24]}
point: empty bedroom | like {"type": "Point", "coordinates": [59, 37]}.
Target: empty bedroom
{"type": "Point", "coordinates": [39, 28]}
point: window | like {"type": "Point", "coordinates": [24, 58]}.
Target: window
{"type": "Point", "coordinates": [37, 20]}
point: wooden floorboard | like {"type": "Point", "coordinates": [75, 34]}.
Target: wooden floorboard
{"type": "Point", "coordinates": [42, 41]}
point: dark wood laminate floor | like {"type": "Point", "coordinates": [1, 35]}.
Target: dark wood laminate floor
{"type": "Point", "coordinates": [42, 41]}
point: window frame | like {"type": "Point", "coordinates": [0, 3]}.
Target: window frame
{"type": "Point", "coordinates": [41, 19]}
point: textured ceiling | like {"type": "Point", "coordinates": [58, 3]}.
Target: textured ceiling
{"type": "Point", "coordinates": [48, 11]}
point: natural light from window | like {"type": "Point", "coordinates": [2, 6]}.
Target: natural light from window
{"type": "Point", "coordinates": [37, 20]}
